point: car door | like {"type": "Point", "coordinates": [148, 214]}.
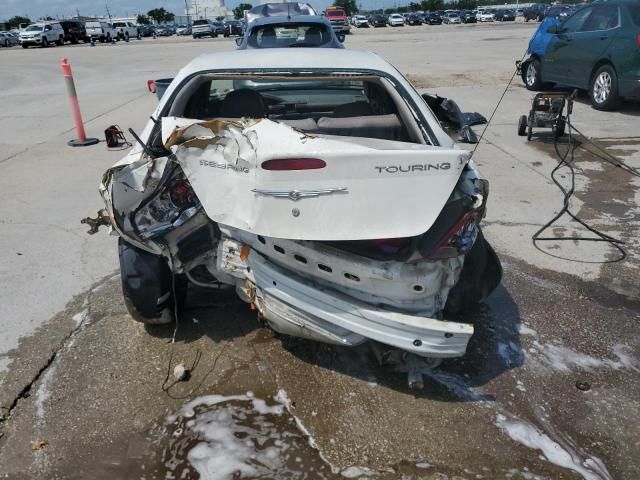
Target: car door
{"type": "Point", "coordinates": [561, 50]}
{"type": "Point", "coordinates": [591, 42]}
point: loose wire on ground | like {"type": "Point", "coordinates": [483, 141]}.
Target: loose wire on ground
{"type": "Point", "coordinates": [599, 236]}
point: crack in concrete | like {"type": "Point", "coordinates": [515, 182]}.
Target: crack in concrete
{"type": "Point", "coordinates": [25, 392]}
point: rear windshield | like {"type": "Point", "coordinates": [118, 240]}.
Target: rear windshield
{"type": "Point", "coordinates": [200, 22]}
{"type": "Point", "coordinates": [354, 107]}
{"type": "Point", "coordinates": [634, 10]}
{"type": "Point", "coordinates": [290, 35]}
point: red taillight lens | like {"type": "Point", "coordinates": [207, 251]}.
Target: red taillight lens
{"type": "Point", "coordinates": [151, 85]}
{"type": "Point", "coordinates": [280, 164]}
{"type": "Point", "coordinates": [638, 39]}
{"type": "Point", "coordinates": [456, 242]}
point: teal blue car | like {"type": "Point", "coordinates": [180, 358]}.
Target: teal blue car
{"type": "Point", "coordinates": [596, 49]}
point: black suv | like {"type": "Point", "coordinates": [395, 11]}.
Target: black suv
{"type": "Point", "coordinates": [74, 31]}
{"type": "Point", "coordinates": [535, 12]}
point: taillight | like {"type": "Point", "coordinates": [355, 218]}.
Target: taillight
{"type": "Point", "coordinates": [279, 164]}
{"type": "Point", "coordinates": [459, 239]}
{"type": "Point", "coordinates": [182, 195]}
{"type": "Point", "coordinates": [151, 85]}
{"type": "Point", "coordinates": [638, 39]}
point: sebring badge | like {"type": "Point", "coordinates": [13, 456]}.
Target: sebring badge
{"type": "Point", "coordinates": [296, 195]}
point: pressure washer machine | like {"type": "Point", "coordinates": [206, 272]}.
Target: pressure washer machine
{"type": "Point", "coordinates": [548, 110]}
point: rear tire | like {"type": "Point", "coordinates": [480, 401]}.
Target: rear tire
{"type": "Point", "coordinates": [24, 45]}
{"type": "Point", "coordinates": [533, 80]}
{"type": "Point", "coordinates": [148, 285]}
{"type": "Point", "coordinates": [45, 42]}
{"type": "Point", "coordinates": [522, 126]}
{"type": "Point", "coordinates": [603, 90]}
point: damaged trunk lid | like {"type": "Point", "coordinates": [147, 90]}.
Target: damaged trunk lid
{"type": "Point", "coordinates": [270, 179]}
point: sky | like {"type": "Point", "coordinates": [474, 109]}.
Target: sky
{"type": "Point", "coordinates": [40, 8]}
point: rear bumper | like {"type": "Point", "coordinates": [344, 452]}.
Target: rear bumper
{"type": "Point", "coordinates": [296, 306]}
{"type": "Point", "coordinates": [629, 87]}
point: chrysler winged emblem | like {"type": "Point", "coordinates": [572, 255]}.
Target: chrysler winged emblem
{"type": "Point", "coordinates": [296, 195]}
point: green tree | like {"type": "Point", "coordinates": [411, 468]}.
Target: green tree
{"type": "Point", "coordinates": [238, 12]}
{"type": "Point", "coordinates": [143, 20]}
{"type": "Point", "coordinates": [432, 5]}
{"type": "Point", "coordinates": [17, 20]}
{"type": "Point", "coordinates": [160, 15]}
{"type": "Point", "coordinates": [349, 6]}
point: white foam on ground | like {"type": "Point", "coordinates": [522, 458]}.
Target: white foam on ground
{"type": "Point", "coordinates": [591, 468]}
{"type": "Point", "coordinates": [80, 317]}
{"type": "Point", "coordinates": [526, 330]}
{"type": "Point", "coordinates": [43, 394]}
{"type": "Point", "coordinates": [563, 359]}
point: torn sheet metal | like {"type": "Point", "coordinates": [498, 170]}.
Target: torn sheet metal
{"type": "Point", "coordinates": [401, 189]}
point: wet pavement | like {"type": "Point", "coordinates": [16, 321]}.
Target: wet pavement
{"type": "Point", "coordinates": [537, 396]}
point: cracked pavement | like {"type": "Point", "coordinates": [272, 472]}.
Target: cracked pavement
{"type": "Point", "coordinates": [77, 373]}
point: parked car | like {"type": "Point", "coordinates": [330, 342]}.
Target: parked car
{"type": "Point", "coordinates": [451, 17]}
{"type": "Point", "coordinates": [360, 21]}
{"type": "Point", "coordinates": [338, 18]}
{"type": "Point", "coordinates": [125, 30]}
{"type": "Point", "coordinates": [561, 12]}
{"type": "Point", "coordinates": [468, 16]}
{"type": "Point", "coordinates": [183, 30]}
{"type": "Point", "coordinates": [433, 19]}
{"type": "Point", "coordinates": [203, 28]}
{"type": "Point", "coordinates": [596, 49]}
{"type": "Point", "coordinates": [163, 31]}
{"type": "Point", "coordinates": [234, 27]}
{"type": "Point", "coordinates": [365, 230]}
{"type": "Point", "coordinates": [8, 40]}
{"type": "Point", "coordinates": [74, 31]}
{"type": "Point", "coordinates": [378, 20]}
{"type": "Point", "coordinates": [146, 30]}
{"type": "Point", "coordinates": [282, 25]}
{"type": "Point", "coordinates": [535, 12]}
{"type": "Point", "coordinates": [504, 15]}
{"type": "Point", "coordinates": [395, 20]}
{"type": "Point", "coordinates": [101, 31]}
{"type": "Point", "coordinates": [42, 34]}
{"type": "Point", "coordinates": [485, 16]}
{"type": "Point", "coordinates": [414, 19]}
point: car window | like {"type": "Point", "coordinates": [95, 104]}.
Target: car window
{"type": "Point", "coordinates": [602, 17]}
{"type": "Point", "coordinates": [47, 27]}
{"type": "Point", "coordinates": [289, 35]}
{"type": "Point", "coordinates": [634, 10]}
{"type": "Point", "coordinates": [332, 106]}
{"type": "Point", "coordinates": [575, 22]}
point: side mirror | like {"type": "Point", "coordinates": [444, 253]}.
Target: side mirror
{"type": "Point", "coordinates": [553, 29]}
{"type": "Point", "coordinates": [341, 37]}
{"type": "Point", "coordinates": [239, 40]}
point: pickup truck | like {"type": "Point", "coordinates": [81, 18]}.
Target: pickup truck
{"type": "Point", "coordinates": [338, 18]}
{"type": "Point", "coordinates": [101, 31]}
{"type": "Point", "coordinates": [125, 30]}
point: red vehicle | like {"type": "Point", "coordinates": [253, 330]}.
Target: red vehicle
{"type": "Point", "coordinates": [338, 18]}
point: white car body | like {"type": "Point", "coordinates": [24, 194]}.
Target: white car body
{"type": "Point", "coordinates": [483, 16]}
{"type": "Point", "coordinates": [396, 20]}
{"type": "Point", "coordinates": [451, 18]}
{"type": "Point", "coordinates": [101, 31]}
{"type": "Point", "coordinates": [360, 21]}
{"type": "Point", "coordinates": [125, 30]}
{"type": "Point", "coordinates": [42, 34]}
{"type": "Point", "coordinates": [269, 222]}
{"type": "Point", "coordinates": [8, 40]}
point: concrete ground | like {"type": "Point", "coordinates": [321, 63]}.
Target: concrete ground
{"type": "Point", "coordinates": [549, 387]}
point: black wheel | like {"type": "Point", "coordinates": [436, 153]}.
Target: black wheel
{"type": "Point", "coordinates": [45, 42]}
{"type": "Point", "coordinates": [24, 45]}
{"type": "Point", "coordinates": [108, 37]}
{"type": "Point", "coordinates": [522, 126]}
{"type": "Point", "coordinates": [603, 90]}
{"type": "Point", "coordinates": [559, 128]}
{"type": "Point", "coordinates": [533, 80]}
{"type": "Point", "coordinates": [148, 285]}
{"type": "Point", "coordinates": [529, 132]}
{"type": "Point", "coordinates": [6, 43]}
{"type": "Point", "coordinates": [60, 41]}
{"type": "Point", "coordinates": [126, 37]}
{"type": "Point", "coordinates": [74, 39]}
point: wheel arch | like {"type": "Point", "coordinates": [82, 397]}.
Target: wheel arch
{"type": "Point", "coordinates": [597, 65]}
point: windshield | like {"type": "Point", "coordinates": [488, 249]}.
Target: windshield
{"type": "Point", "coordinates": [200, 22]}
{"type": "Point", "coordinates": [289, 35]}
{"type": "Point", "coordinates": [35, 28]}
